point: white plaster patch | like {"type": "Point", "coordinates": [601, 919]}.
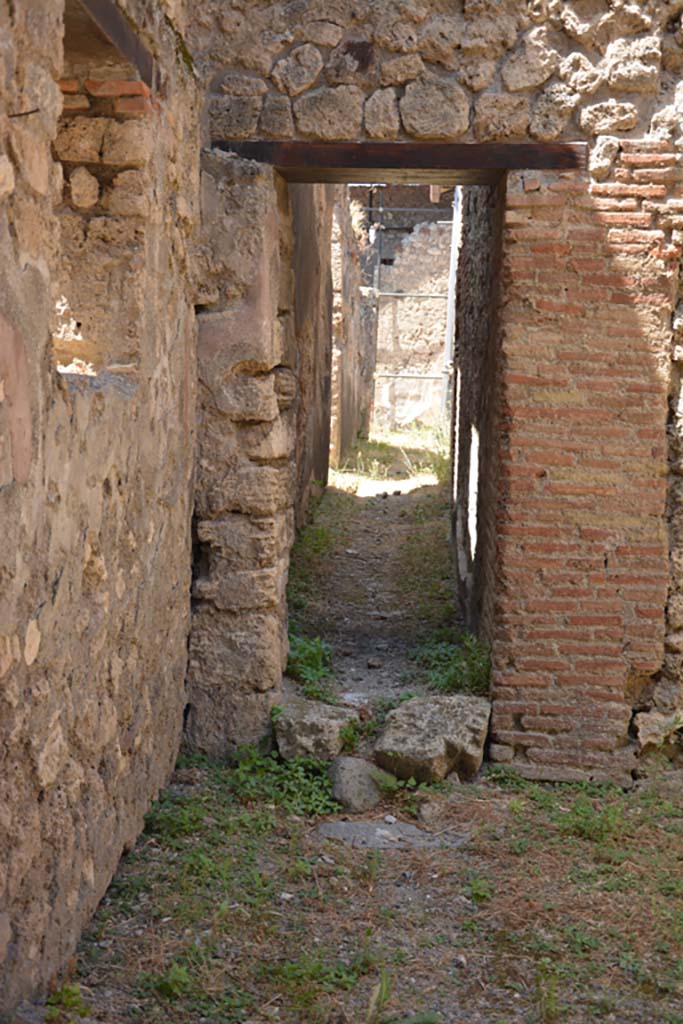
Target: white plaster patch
{"type": "Point", "coordinates": [31, 642]}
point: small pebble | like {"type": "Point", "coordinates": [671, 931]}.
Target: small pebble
{"type": "Point", "coordinates": [390, 819]}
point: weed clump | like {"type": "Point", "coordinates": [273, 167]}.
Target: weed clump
{"type": "Point", "coordinates": [310, 664]}
{"type": "Point", "coordinates": [462, 666]}
{"type": "Point", "coordinates": [301, 786]}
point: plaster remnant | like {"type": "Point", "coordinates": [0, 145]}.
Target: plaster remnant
{"type": "Point", "coordinates": [7, 178]}
{"type": "Point", "coordinates": [31, 642]}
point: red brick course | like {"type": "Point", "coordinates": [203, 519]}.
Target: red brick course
{"type": "Point", "coordinates": [589, 277]}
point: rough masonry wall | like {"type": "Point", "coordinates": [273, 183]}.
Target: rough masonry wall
{"type": "Point", "coordinates": [474, 70]}
{"type": "Point", "coordinates": [478, 365]}
{"type": "Point", "coordinates": [264, 362]}
{"type": "Point", "coordinates": [352, 355]}
{"type": "Point", "coordinates": [95, 473]}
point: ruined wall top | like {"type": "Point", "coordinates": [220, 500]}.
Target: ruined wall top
{"type": "Point", "coordinates": [439, 69]}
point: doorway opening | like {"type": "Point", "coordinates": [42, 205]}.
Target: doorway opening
{"type": "Point", "coordinates": [387, 560]}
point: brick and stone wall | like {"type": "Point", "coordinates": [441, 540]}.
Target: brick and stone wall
{"type": "Point", "coordinates": [95, 473]}
{"type": "Point", "coordinates": [570, 680]}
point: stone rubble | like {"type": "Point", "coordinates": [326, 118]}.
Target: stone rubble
{"type": "Point", "coordinates": [427, 738]}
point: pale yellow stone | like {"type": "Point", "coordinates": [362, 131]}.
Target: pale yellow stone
{"type": "Point", "coordinates": [31, 642]}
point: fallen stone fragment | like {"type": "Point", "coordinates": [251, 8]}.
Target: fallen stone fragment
{"type": "Point", "coordinates": [428, 737]}
{"type": "Point", "coordinates": [354, 783]}
{"type": "Point", "coordinates": [309, 728]}
{"type": "Point", "coordinates": [378, 835]}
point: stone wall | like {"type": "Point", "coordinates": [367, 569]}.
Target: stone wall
{"type": "Point", "coordinates": [264, 365]}
{"type": "Point", "coordinates": [474, 70]}
{"type": "Point", "coordinates": [95, 473]}
{"type": "Point", "coordinates": [353, 346]}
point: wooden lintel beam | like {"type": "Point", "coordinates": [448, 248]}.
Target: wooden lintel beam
{"type": "Point", "coordinates": [116, 27]}
{"type": "Point", "coordinates": [452, 162]}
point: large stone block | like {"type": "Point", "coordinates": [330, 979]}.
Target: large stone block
{"type": "Point", "coordinates": [427, 738]}
{"type": "Point", "coordinates": [248, 399]}
{"type": "Point", "coordinates": [254, 489]}
{"type": "Point", "coordinates": [234, 117]}
{"type": "Point", "coordinates": [244, 333]}
{"type": "Point", "coordinates": [309, 728]}
{"type": "Point", "coordinates": [331, 113]}
{"type": "Point", "coordinates": [434, 108]}
{"type": "Point", "coordinates": [80, 139]}
{"type": "Point", "coordinates": [381, 115]}
{"type": "Point", "coordinates": [299, 70]}
{"type": "Point", "coordinates": [499, 116]}
{"type": "Point", "coordinates": [242, 542]}
{"type": "Point", "coordinates": [233, 653]}
{"type": "Point", "coordinates": [244, 590]}
{"type": "Point", "coordinates": [610, 116]}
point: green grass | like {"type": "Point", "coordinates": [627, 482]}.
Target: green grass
{"type": "Point", "coordinates": [310, 664]}
{"type": "Point", "coordinates": [455, 666]}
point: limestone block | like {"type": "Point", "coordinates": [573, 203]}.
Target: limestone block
{"type": "Point", "coordinates": [399, 70]}
{"type": "Point", "coordinates": [32, 156]}
{"type": "Point", "coordinates": [428, 737]}
{"type": "Point", "coordinates": [552, 111]}
{"type": "Point", "coordinates": [80, 139]}
{"type": "Point", "coordinates": [246, 541]}
{"type": "Point", "coordinates": [330, 114]}
{"type": "Point", "coordinates": [266, 442]}
{"type": "Point", "coordinates": [240, 651]}
{"type": "Point", "coordinates": [396, 34]}
{"type": "Point", "coordinates": [440, 40]}
{"type": "Point", "coordinates": [309, 728]}
{"type": "Point", "coordinates": [246, 398]}
{"type": "Point", "coordinates": [286, 386]}
{"type": "Point", "coordinates": [610, 116]}
{"type": "Point", "coordinates": [490, 28]}
{"type": "Point", "coordinates": [324, 33]}
{"type": "Point", "coordinates": [433, 108]}
{"type": "Point", "coordinates": [129, 196]}
{"type": "Point", "coordinates": [500, 116]}
{"type": "Point", "coordinates": [253, 489]}
{"type": "Point", "coordinates": [244, 590]}
{"type": "Point", "coordinates": [84, 188]}
{"type": "Point", "coordinates": [477, 74]}
{"type": "Point", "coordinates": [532, 65]}
{"type": "Point", "coordinates": [354, 783]}
{"type": "Point", "coordinates": [237, 83]}
{"type": "Point", "coordinates": [381, 115]}
{"type": "Point", "coordinates": [298, 70]}
{"type": "Point", "coordinates": [602, 157]}
{"type": "Point", "coordinates": [234, 117]}
{"type": "Point", "coordinates": [242, 333]}
{"type": "Point", "coordinates": [580, 74]}
{"type": "Point", "coordinates": [277, 120]}
{"type": "Point", "coordinates": [353, 62]}
{"type": "Point", "coordinates": [654, 728]}
{"type": "Point", "coordinates": [632, 65]}
{"type": "Point", "coordinates": [127, 142]}
{"type": "Point", "coordinates": [7, 180]}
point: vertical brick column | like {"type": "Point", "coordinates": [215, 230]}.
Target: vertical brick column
{"type": "Point", "coordinates": [589, 278]}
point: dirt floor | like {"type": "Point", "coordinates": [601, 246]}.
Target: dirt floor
{"type": "Point", "coordinates": [533, 904]}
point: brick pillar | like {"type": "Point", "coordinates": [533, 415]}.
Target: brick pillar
{"type": "Point", "coordinates": [589, 279]}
